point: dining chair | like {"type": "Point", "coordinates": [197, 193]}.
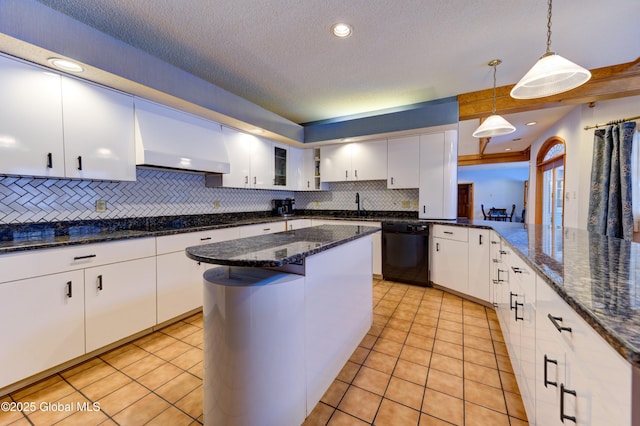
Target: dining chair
{"type": "Point", "coordinates": [483, 213]}
{"type": "Point", "coordinates": [513, 209]}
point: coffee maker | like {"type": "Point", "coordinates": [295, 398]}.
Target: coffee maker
{"type": "Point", "coordinates": [283, 207]}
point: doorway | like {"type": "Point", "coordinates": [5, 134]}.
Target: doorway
{"type": "Point", "coordinates": [465, 201]}
{"type": "Point", "coordinates": [550, 183]}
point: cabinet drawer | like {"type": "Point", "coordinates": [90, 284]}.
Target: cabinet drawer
{"type": "Point", "coordinates": [609, 373]}
{"type": "Point", "coordinates": [174, 243]}
{"type": "Point", "coordinates": [456, 233]}
{"type": "Point", "coordinates": [20, 265]}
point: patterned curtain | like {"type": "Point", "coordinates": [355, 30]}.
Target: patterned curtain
{"type": "Point", "coordinates": [610, 210]}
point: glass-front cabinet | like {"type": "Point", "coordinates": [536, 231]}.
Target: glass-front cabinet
{"type": "Point", "coordinates": [280, 166]}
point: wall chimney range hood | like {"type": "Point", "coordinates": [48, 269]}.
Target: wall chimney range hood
{"type": "Point", "coordinates": [169, 138]}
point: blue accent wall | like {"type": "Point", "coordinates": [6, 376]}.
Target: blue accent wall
{"type": "Point", "coordinates": [417, 116]}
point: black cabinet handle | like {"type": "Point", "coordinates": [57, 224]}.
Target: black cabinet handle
{"type": "Point", "coordinates": [254, 180]}
{"type": "Point", "coordinates": [246, 180]}
{"type": "Point", "coordinates": [69, 289]}
{"type": "Point", "coordinates": [100, 282]}
{"type": "Point", "coordinates": [205, 239]}
{"type": "Point", "coordinates": [355, 172]}
{"type": "Point", "coordinates": [558, 327]}
{"type": "Point", "coordinates": [503, 252]}
{"type": "Point", "coordinates": [50, 161]}
{"type": "Point", "coordinates": [307, 184]}
{"type": "Point", "coordinates": [480, 239]}
{"type": "Point", "coordinates": [516, 313]}
{"type": "Point", "coordinates": [447, 232]}
{"type": "Point", "coordinates": [511, 305]}
{"type": "Point", "coordinates": [495, 261]}
{"type": "Point", "coordinates": [494, 242]}
{"type": "Point", "coordinates": [563, 416]}
{"type": "Point", "coordinates": [391, 180]}
{"type": "Point", "coordinates": [503, 271]}
{"type": "Point", "coordinates": [516, 270]}
{"type": "Point", "coordinates": [266, 229]}
{"type": "Point", "coordinates": [79, 162]}
{"type": "Point", "coordinates": [437, 246]}
{"type": "Point", "coordinates": [424, 209]}
{"type": "Point", "coordinates": [547, 360]}
{"type": "Point", "coordinates": [84, 257]}
{"type": "Point", "coordinates": [346, 174]}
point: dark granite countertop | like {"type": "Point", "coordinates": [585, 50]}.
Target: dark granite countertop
{"type": "Point", "coordinates": [598, 276]}
{"type": "Point", "coordinates": [278, 249]}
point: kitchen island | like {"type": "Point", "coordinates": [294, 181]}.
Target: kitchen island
{"type": "Point", "coordinates": [281, 319]}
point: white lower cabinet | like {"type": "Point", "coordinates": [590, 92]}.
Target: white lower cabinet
{"type": "Point", "coordinates": [450, 258]}
{"type": "Point", "coordinates": [479, 266]}
{"type": "Point", "coordinates": [41, 324]}
{"type": "Point", "coordinates": [120, 300]}
{"type": "Point", "coordinates": [579, 377]}
{"type": "Point", "coordinates": [261, 229]}
{"type": "Point", "coordinates": [179, 279]}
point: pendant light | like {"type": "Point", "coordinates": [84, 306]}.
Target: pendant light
{"type": "Point", "coordinates": [552, 74]}
{"type": "Point", "coordinates": [494, 125]}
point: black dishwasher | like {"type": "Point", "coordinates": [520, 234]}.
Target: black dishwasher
{"type": "Point", "coordinates": [405, 252]}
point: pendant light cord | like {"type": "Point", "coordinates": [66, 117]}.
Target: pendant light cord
{"type": "Point", "coordinates": [493, 110]}
{"type": "Point", "coordinates": [549, 27]}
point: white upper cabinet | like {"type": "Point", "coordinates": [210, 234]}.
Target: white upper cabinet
{"type": "Point", "coordinates": [56, 126]}
{"type": "Point", "coordinates": [354, 161]}
{"type": "Point", "coordinates": [253, 162]}
{"type": "Point", "coordinates": [98, 132]}
{"type": "Point", "coordinates": [30, 120]}
{"type": "Point", "coordinates": [335, 163]}
{"type": "Point", "coordinates": [438, 191]}
{"type": "Point", "coordinates": [403, 162]}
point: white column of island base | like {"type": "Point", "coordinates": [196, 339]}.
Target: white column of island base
{"type": "Point", "coordinates": [274, 342]}
{"type": "Point", "coordinates": [253, 347]}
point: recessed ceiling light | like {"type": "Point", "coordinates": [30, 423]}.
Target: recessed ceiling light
{"type": "Point", "coordinates": [66, 65]}
{"type": "Point", "coordinates": [256, 131]}
{"type": "Point", "coordinates": [531, 123]}
{"type": "Point", "coordinates": [341, 30]}
{"type": "Point", "coordinates": [507, 149]}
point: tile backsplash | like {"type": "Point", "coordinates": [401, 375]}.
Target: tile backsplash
{"type": "Point", "coordinates": [167, 193]}
{"type": "Point", "coordinates": [374, 195]}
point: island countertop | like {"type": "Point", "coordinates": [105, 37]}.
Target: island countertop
{"type": "Point", "coordinates": [274, 250]}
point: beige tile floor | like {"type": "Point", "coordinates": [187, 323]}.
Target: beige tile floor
{"type": "Point", "coordinates": [430, 358]}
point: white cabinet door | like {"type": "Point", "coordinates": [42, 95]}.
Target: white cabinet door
{"type": "Point", "coordinates": [296, 179]}
{"type": "Point", "coordinates": [335, 163]}
{"type": "Point", "coordinates": [438, 175]}
{"type": "Point", "coordinates": [298, 224]}
{"type": "Point", "coordinates": [31, 139]}
{"type": "Point", "coordinates": [403, 162]}
{"type": "Point", "coordinates": [238, 146]}
{"type": "Point", "coordinates": [479, 264]}
{"type": "Point", "coordinates": [262, 164]}
{"type": "Point", "coordinates": [120, 301]}
{"type": "Point", "coordinates": [450, 264]}
{"type": "Point", "coordinates": [261, 229]}
{"type": "Point", "coordinates": [369, 160]}
{"type": "Point", "coordinates": [179, 285]}
{"type": "Point", "coordinates": [41, 324]}
{"type": "Point", "coordinates": [98, 132]}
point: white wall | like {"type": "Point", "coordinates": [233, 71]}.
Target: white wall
{"type": "Point", "coordinates": [579, 151]}
{"type": "Point", "coordinates": [498, 187]}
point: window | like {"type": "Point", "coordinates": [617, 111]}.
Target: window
{"type": "Point", "coordinates": [550, 183]}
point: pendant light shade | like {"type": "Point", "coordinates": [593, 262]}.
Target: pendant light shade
{"type": "Point", "coordinates": [494, 125]}
{"type": "Point", "coordinates": [552, 74]}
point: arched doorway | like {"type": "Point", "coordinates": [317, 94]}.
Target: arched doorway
{"type": "Point", "coordinates": [550, 183]}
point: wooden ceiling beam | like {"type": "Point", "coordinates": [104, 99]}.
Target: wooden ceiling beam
{"type": "Point", "coordinates": [501, 157]}
{"type": "Point", "coordinates": [616, 81]}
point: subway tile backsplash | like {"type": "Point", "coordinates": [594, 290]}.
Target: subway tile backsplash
{"type": "Point", "coordinates": [168, 193]}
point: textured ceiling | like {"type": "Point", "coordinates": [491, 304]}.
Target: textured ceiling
{"type": "Point", "coordinates": [280, 55]}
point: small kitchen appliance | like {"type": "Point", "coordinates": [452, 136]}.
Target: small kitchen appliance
{"type": "Point", "coordinates": [283, 207]}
